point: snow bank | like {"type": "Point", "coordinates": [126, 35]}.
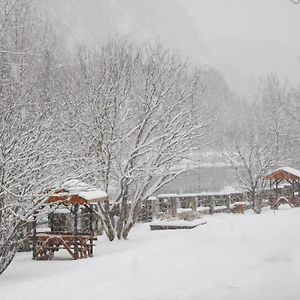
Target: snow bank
{"type": "Point", "coordinates": [233, 257]}
{"type": "Point", "coordinates": [184, 210]}
{"type": "Point", "coordinates": [203, 208]}
{"type": "Point", "coordinates": [176, 222]}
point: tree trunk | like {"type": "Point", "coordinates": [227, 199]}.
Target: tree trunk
{"type": "Point", "coordinates": [133, 216]}
{"type": "Point", "coordinates": [125, 221]}
{"type": "Point", "coordinates": [253, 199]}
{"type": "Point", "coordinates": [7, 254]}
{"type": "Point", "coordinates": [8, 247]}
{"type": "Point", "coordinates": [106, 220]}
{"type": "Point", "coordinates": [256, 205]}
{"type": "Point", "coordinates": [127, 230]}
{"type": "Point", "coordinates": [109, 229]}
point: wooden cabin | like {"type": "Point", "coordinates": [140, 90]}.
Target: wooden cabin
{"type": "Point", "coordinates": [78, 241]}
{"type": "Point", "coordinates": [287, 193]}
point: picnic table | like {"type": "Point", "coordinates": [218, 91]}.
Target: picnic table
{"type": "Point", "coordinates": [276, 202]}
{"type": "Point", "coordinates": [46, 243]}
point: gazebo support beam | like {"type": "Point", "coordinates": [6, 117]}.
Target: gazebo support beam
{"type": "Point", "coordinates": [34, 239]}
{"type": "Point", "coordinates": [293, 189]}
{"type": "Point", "coordinates": [75, 231]}
{"type": "Point", "coordinates": [91, 231]}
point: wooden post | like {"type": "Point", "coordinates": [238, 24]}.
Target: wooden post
{"type": "Point", "coordinates": [34, 238]}
{"type": "Point", "coordinates": [91, 231]}
{"type": "Point", "coordinates": [298, 191]}
{"type": "Point", "coordinates": [194, 204]}
{"type": "Point", "coordinates": [270, 194]}
{"type": "Point", "coordinates": [155, 207]}
{"type": "Point", "coordinates": [51, 219]}
{"type": "Point", "coordinates": [173, 201]}
{"type": "Point", "coordinates": [211, 205]}
{"type": "Point", "coordinates": [150, 204]}
{"type": "Point", "coordinates": [293, 191]}
{"type": "Point", "coordinates": [75, 231]}
{"type": "Point", "coordinates": [227, 201]}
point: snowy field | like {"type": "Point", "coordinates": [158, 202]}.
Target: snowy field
{"type": "Point", "coordinates": [231, 257]}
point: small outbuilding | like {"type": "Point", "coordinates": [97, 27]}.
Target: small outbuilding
{"type": "Point", "coordinates": [284, 194]}
{"type": "Point", "coordinates": [72, 196]}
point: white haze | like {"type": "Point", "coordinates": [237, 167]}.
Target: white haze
{"type": "Point", "coordinates": [244, 39]}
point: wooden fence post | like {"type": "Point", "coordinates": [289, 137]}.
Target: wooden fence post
{"type": "Point", "coordinates": [34, 238]}
{"type": "Point", "coordinates": [228, 203]}
{"type": "Point", "coordinates": [173, 201]}
{"type": "Point", "coordinates": [194, 204]}
{"type": "Point", "coordinates": [75, 231]}
{"type": "Point", "coordinates": [211, 205]}
{"type": "Point", "coordinates": [91, 231]}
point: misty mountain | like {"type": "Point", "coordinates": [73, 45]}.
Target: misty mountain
{"type": "Point", "coordinates": [93, 21]}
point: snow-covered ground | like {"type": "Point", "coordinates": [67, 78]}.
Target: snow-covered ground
{"type": "Point", "coordinates": [231, 257]}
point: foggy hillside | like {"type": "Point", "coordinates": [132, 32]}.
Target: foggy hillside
{"type": "Point", "coordinates": [213, 38]}
{"type": "Point", "coordinates": [140, 20]}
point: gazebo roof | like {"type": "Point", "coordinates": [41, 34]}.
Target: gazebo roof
{"type": "Point", "coordinates": [77, 192]}
{"type": "Point", "coordinates": [284, 173]}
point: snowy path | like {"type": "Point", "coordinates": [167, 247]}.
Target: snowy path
{"type": "Point", "coordinates": [232, 257]}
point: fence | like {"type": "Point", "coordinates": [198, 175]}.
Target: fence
{"type": "Point", "coordinates": [171, 204]}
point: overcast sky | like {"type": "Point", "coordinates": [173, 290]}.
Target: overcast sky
{"type": "Point", "coordinates": [247, 39]}
{"type": "Point", "coordinates": [244, 39]}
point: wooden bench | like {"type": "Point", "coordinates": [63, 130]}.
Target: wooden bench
{"type": "Point", "coordinates": [281, 200]}
{"type": "Point", "coordinates": [79, 246]}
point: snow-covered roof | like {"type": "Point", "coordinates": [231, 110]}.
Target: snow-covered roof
{"type": "Point", "coordinates": [187, 195]}
{"type": "Point", "coordinates": [62, 211]}
{"type": "Point", "coordinates": [228, 190]}
{"type": "Point", "coordinates": [167, 195]}
{"type": "Point", "coordinates": [279, 174]}
{"type": "Point", "coordinates": [290, 170]}
{"type": "Point", "coordinates": [87, 192]}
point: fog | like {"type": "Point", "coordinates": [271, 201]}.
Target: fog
{"type": "Point", "coordinates": [248, 39]}
{"type": "Point", "coordinates": [245, 40]}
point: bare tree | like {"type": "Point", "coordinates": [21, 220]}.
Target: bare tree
{"type": "Point", "coordinates": [139, 113]}
{"type": "Point", "coordinates": [28, 152]}
{"type": "Point", "coordinates": [275, 101]}
{"type": "Point", "coordinates": [252, 155]}
{"type": "Point", "coordinates": [262, 141]}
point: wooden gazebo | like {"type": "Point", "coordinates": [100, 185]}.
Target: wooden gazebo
{"type": "Point", "coordinates": [284, 175]}
{"type": "Point", "coordinates": [79, 244]}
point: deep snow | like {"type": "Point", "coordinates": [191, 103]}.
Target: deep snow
{"type": "Point", "coordinates": [231, 257]}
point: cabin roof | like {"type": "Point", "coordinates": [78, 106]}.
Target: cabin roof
{"type": "Point", "coordinates": [284, 173]}
{"type": "Point", "coordinates": [77, 192]}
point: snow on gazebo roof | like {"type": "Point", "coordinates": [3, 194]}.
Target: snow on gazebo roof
{"type": "Point", "coordinates": [76, 191]}
{"type": "Point", "coordinates": [284, 173]}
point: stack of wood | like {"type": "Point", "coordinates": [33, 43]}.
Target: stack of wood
{"type": "Point", "coordinates": [239, 207]}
